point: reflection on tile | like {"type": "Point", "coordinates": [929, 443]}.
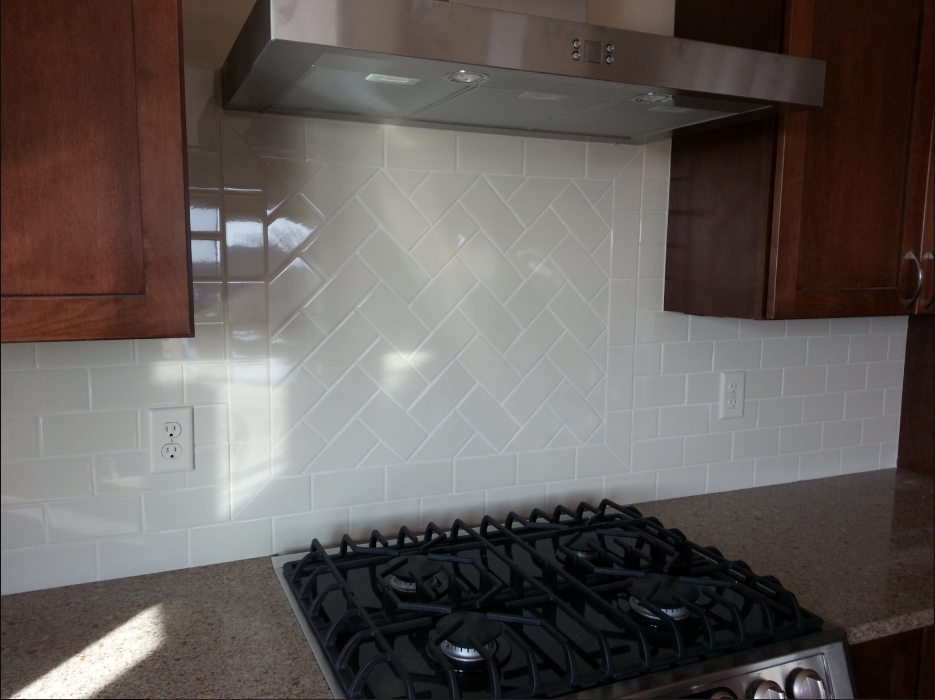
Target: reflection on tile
{"type": "Point", "coordinates": [374, 303]}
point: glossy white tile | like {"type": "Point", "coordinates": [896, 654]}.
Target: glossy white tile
{"type": "Point", "coordinates": [22, 527]}
{"type": "Point", "coordinates": [142, 554]}
{"type": "Point", "coordinates": [36, 568]}
{"type": "Point", "coordinates": [87, 519]}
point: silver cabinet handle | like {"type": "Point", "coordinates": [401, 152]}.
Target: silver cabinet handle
{"type": "Point", "coordinates": [910, 300]}
{"type": "Point", "coordinates": [929, 267]}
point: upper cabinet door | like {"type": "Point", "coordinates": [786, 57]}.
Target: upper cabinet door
{"type": "Point", "coordinates": [94, 211]}
{"type": "Point", "coordinates": [820, 213]}
{"type": "Point", "coordinates": [850, 191]}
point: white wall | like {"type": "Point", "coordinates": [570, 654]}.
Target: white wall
{"type": "Point", "coordinates": [400, 325]}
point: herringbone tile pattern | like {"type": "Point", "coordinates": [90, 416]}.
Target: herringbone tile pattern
{"type": "Point", "coordinates": [419, 315]}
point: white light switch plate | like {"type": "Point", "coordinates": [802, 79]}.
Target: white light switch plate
{"type": "Point", "coordinates": [171, 439]}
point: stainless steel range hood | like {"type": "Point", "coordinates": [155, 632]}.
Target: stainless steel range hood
{"type": "Point", "coordinates": [439, 64]}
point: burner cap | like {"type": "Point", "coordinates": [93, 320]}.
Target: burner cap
{"type": "Point", "coordinates": [660, 590]}
{"type": "Point", "coordinates": [416, 568]}
{"type": "Point", "coordinates": [581, 545]}
{"type": "Point", "coordinates": [475, 628]}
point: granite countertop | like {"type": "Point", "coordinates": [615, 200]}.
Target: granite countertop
{"type": "Point", "coordinates": [856, 549]}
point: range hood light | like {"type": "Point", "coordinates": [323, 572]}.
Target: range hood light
{"type": "Point", "coordinates": [391, 79]}
{"type": "Point", "coordinates": [653, 98]}
{"type": "Point", "coordinates": [466, 76]}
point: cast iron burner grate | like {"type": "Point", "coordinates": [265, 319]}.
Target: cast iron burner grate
{"type": "Point", "coordinates": [537, 607]}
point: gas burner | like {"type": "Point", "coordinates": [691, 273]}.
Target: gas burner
{"type": "Point", "coordinates": [461, 644]}
{"type": "Point", "coordinates": [581, 545]}
{"type": "Point", "coordinates": [661, 590]}
{"type": "Point", "coordinates": [405, 576]}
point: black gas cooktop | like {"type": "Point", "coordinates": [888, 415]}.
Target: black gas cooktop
{"type": "Point", "coordinates": [538, 607]}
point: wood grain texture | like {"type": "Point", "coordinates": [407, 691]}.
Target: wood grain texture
{"type": "Point", "coordinates": [158, 303]}
{"type": "Point", "coordinates": [846, 199]}
{"type": "Point", "coordinates": [851, 171]}
{"type": "Point", "coordinates": [917, 415]}
{"type": "Point", "coordinates": [720, 196]}
{"type": "Point", "coordinates": [70, 160]}
{"type": "Point", "coordinates": [890, 667]}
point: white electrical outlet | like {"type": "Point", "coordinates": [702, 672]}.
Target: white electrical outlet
{"type": "Point", "coordinates": [732, 394]}
{"type": "Point", "coordinates": [171, 439]}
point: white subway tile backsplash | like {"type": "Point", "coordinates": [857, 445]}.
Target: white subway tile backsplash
{"type": "Point", "coordinates": [490, 153]}
{"type": "Point", "coordinates": [842, 433]}
{"type": "Point", "coordinates": [553, 465]}
{"type": "Point", "coordinates": [846, 377]}
{"type": "Point", "coordinates": [89, 353]}
{"type": "Point", "coordinates": [19, 438]}
{"type": "Point", "coordinates": [730, 476]}
{"type": "Point", "coordinates": [89, 433]}
{"type": "Point", "coordinates": [880, 429]}
{"type": "Point", "coordinates": [419, 479]}
{"type": "Point", "coordinates": [405, 325]}
{"type": "Point", "coordinates": [142, 554]}
{"type": "Point", "coordinates": [125, 473]}
{"type": "Point", "coordinates": [165, 510]}
{"type": "Point", "coordinates": [782, 469]}
{"type": "Point", "coordinates": [713, 328]}
{"type": "Point", "coordinates": [125, 387]}
{"type": "Point", "coordinates": [764, 384]}
{"type": "Point", "coordinates": [344, 143]}
{"type": "Point", "coordinates": [784, 352]}
{"type": "Point", "coordinates": [820, 464]}
{"type": "Point", "coordinates": [662, 390]}
{"type": "Point", "coordinates": [763, 442]}
{"type": "Point", "coordinates": [278, 497]}
{"type": "Point", "coordinates": [22, 527]}
{"type": "Point", "coordinates": [294, 533]}
{"type": "Point", "coordinates": [48, 567]}
{"type": "Point", "coordinates": [683, 420]}
{"type": "Point", "coordinates": [88, 519]}
{"type": "Point", "coordinates": [708, 448]}
{"type": "Point", "coordinates": [420, 149]}
{"type": "Point", "coordinates": [737, 354]}
{"type": "Point", "coordinates": [681, 481]}
{"type": "Point", "coordinates": [863, 404]}
{"type": "Point", "coordinates": [774, 412]}
{"type": "Point", "coordinates": [631, 488]}
{"type": "Point", "coordinates": [20, 356]}
{"type": "Point", "coordinates": [883, 375]}
{"type": "Point", "coordinates": [799, 438]}
{"type": "Point", "coordinates": [661, 453]}
{"type": "Point", "coordinates": [348, 487]}
{"type": "Point", "coordinates": [869, 348]}
{"type": "Point", "coordinates": [216, 544]}
{"type": "Point", "coordinates": [388, 518]}
{"type": "Point", "coordinates": [799, 381]}
{"type": "Point", "coordinates": [44, 392]}
{"type": "Point", "coordinates": [860, 459]}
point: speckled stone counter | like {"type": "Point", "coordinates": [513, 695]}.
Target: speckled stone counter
{"type": "Point", "coordinates": [857, 550]}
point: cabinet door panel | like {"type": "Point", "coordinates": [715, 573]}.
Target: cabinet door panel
{"type": "Point", "coordinates": [94, 211]}
{"type": "Point", "coordinates": [846, 215]}
{"type": "Point", "coordinates": [70, 159]}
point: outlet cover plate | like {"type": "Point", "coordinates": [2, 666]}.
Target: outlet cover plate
{"type": "Point", "coordinates": [732, 394]}
{"type": "Point", "coordinates": [171, 439]}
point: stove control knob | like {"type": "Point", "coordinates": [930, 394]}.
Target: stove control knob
{"type": "Point", "coordinates": [766, 689]}
{"type": "Point", "coordinates": [805, 683]}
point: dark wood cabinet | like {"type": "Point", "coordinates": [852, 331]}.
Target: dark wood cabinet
{"type": "Point", "coordinates": [898, 666]}
{"type": "Point", "coordinates": [94, 199]}
{"type": "Point", "coordinates": [815, 214]}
